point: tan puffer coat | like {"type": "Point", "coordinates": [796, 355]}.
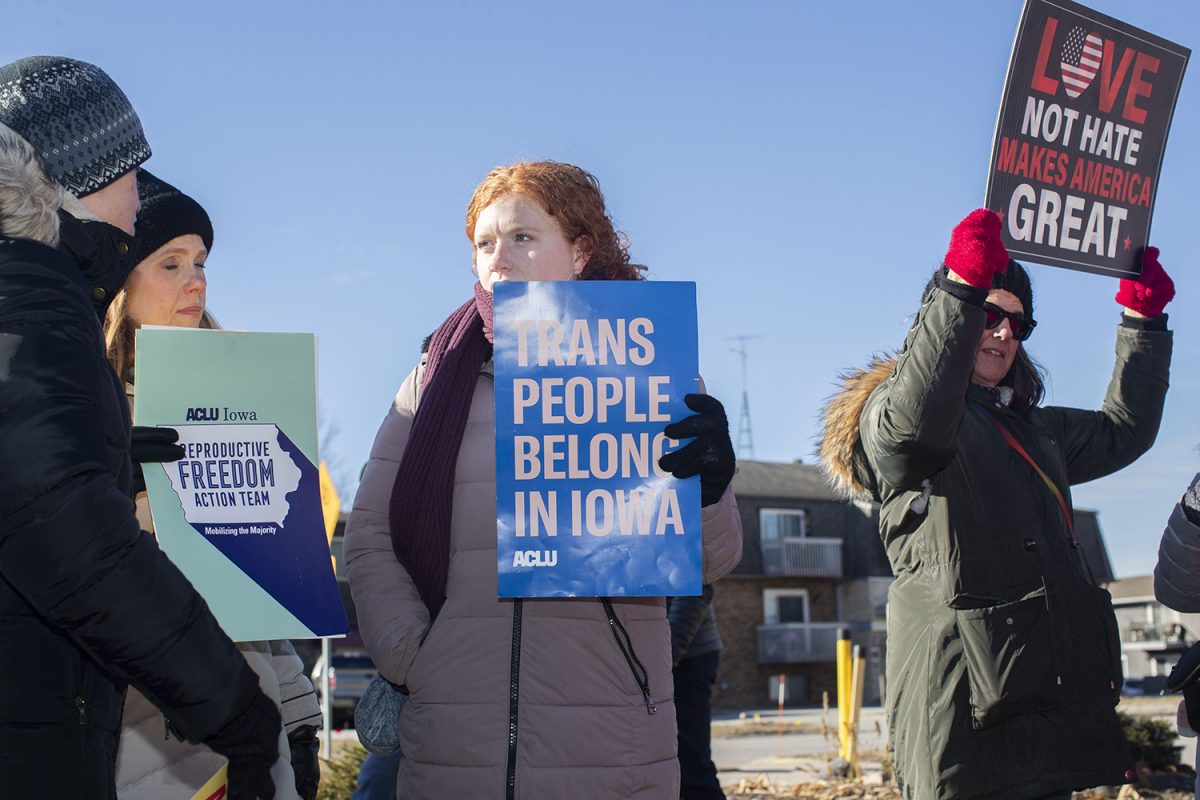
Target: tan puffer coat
{"type": "Point", "coordinates": [547, 675]}
{"type": "Point", "coordinates": [152, 765]}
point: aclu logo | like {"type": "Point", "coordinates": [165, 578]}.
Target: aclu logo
{"type": "Point", "coordinates": [535, 558]}
{"type": "Point", "coordinates": [202, 414]}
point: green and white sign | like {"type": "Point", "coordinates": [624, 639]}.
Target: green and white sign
{"type": "Point", "coordinates": [240, 513]}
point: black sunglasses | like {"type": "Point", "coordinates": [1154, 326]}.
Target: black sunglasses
{"type": "Point", "coordinates": [1021, 325]}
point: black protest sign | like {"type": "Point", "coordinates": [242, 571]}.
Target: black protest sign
{"type": "Point", "coordinates": [1080, 137]}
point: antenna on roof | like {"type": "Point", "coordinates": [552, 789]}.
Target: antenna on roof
{"type": "Point", "coordinates": [745, 436]}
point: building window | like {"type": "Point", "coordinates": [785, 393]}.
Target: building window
{"type": "Point", "coordinates": [775, 524]}
{"type": "Point", "coordinates": [781, 606]}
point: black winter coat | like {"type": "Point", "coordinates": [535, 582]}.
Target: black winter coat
{"type": "Point", "coordinates": [693, 626]}
{"type": "Point", "coordinates": [87, 602]}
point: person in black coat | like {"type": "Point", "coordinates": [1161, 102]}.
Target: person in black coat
{"type": "Point", "coordinates": [696, 654]}
{"type": "Point", "coordinates": [88, 604]}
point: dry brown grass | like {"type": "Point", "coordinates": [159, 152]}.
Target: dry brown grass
{"type": "Point", "coordinates": [761, 788]}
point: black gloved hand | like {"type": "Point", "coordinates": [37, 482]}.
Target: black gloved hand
{"type": "Point", "coordinates": [305, 763]}
{"type": "Point", "coordinates": [151, 446]}
{"type": "Point", "coordinates": [251, 743]}
{"type": "Point", "coordinates": [709, 455]}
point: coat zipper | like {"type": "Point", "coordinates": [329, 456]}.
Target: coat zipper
{"type": "Point", "coordinates": [81, 685]}
{"type": "Point", "coordinates": [626, 646]}
{"type": "Point", "coordinates": [514, 676]}
{"type": "Point", "coordinates": [1058, 670]}
{"type": "Point", "coordinates": [623, 642]}
{"type": "Point", "coordinates": [428, 628]}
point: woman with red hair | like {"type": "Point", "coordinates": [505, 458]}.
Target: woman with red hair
{"type": "Point", "coordinates": [533, 698]}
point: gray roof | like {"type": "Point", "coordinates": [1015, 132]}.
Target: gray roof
{"type": "Point", "coordinates": [782, 479]}
{"type": "Point", "coordinates": [1140, 586]}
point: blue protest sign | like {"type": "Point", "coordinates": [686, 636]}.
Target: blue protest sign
{"type": "Point", "coordinates": [588, 374]}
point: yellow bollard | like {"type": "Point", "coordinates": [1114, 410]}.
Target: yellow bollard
{"type": "Point", "coordinates": [844, 667]}
{"type": "Point", "coordinates": [856, 694]}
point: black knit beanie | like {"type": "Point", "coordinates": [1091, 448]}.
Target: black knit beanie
{"type": "Point", "coordinates": [1014, 279]}
{"type": "Point", "coordinates": [166, 213]}
{"type": "Point", "coordinates": [78, 120]}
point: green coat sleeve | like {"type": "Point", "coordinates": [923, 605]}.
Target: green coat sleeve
{"type": "Point", "coordinates": [911, 421]}
{"type": "Point", "coordinates": [1098, 443]}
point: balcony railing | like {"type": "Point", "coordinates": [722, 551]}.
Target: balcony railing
{"type": "Point", "coordinates": [1150, 632]}
{"type": "Point", "coordinates": [798, 642]}
{"type": "Point", "coordinates": [802, 557]}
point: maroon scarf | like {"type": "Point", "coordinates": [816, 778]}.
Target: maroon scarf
{"type": "Point", "coordinates": [419, 515]}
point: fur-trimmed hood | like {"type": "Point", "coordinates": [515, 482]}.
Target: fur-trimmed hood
{"type": "Point", "coordinates": [36, 207]}
{"type": "Point", "coordinates": [29, 198]}
{"type": "Point", "coordinates": [841, 452]}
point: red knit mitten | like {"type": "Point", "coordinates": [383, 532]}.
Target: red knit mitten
{"type": "Point", "coordinates": [1150, 292]}
{"type": "Point", "coordinates": [976, 252]}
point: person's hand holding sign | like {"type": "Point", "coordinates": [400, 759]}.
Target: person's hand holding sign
{"type": "Point", "coordinates": [152, 445]}
{"type": "Point", "coordinates": [709, 455]}
{"type": "Point", "coordinates": [1149, 293]}
{"type": "Point", "coordinates": [976, 250]}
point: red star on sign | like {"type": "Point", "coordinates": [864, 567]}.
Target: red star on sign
{"type": "Point", "coordinates": [1127, 242]}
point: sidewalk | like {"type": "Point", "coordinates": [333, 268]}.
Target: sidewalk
{"type": "Point", "coordinates": [798, 746]}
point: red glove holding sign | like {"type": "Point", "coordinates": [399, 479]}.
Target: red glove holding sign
{"type": "Point", "coordinates": [1150, 292]}
{"type": "Point", "coordinates": [976, 251]}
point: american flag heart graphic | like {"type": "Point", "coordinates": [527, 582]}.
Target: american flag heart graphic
{"type": "Point", "coordinates": [1081, 56]}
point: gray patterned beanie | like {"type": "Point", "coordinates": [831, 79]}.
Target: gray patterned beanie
{"type": "Point", "coordinates": [80, 122]}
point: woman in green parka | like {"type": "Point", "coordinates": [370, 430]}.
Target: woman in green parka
{"type": "Point", "coordinates": [1003, 660]}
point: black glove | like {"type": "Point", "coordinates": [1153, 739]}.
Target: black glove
{"type": "Point", "coordinates": [151, 446]}
{"type": "Point", "coordinates": [709, 455]}
{"type": "Point", "coordinates": [251, 743]}
{"type": "Point", "coordinates": [305, 763]}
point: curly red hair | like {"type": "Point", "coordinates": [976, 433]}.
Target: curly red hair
{"type": "Point", "coordinates": [572, 196]}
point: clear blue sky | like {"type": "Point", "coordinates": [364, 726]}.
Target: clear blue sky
{"type": "Point", "coordinates": [803, 162]}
